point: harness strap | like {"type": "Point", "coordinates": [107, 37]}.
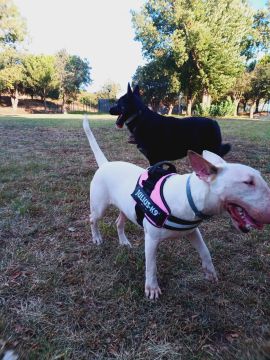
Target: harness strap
{"type": "Point", "coordinates": [146, 207]}
{"type": "Point", "coordinates": [198, 213]}
{"type": "Point", "coordinates": [155, 172]}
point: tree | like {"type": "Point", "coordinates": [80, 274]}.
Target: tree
{"type": "Point", "coordinates": [240, 87]}
{"type": "Point", "coordinates": [259, 86]}
{"type": "Point", "coordinates": [12, 32]}
{"type": "Point", "coordinates": [40, 75]}
{"type": "Point", "coordinates": [109, 90]}
{"type": "Point", "coordinates": [11, 75]}
{"type": "Point", "coordinates": [12, 25]}
{"type": "Point", "coordinates": [89, 99]}
{"type": "Point", "coordinates": [158, 86]}
{"type": "Point", "coordinates": [257, 41]}
{"type": "Point", "coordinates": [73, 73]}
{"type": "Point", "coordinates": [203, 38]}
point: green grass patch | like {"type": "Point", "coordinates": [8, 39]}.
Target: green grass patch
{"type": "Point", "coordinates": [58, 120]}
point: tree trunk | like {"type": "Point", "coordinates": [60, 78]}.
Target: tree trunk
{"type": "Point", "coordinates": [190, 100]}
{"type": "Point", "coordinates": [44, 103]}
{"type": "Point", "coordinates": [14, 99]}
{"type": "Point", "coordinates": [206, 99]}
{"type": "Point", "coordinates": [257, 106]}
{"type": "Point", "coordinates": [170, 109]}
{"type": "Point", "coordinates": [236, 105]}
{"type": "Point", "coordinates": [64, 109]}
{"type": "Point", "coordinates": [252, 108]}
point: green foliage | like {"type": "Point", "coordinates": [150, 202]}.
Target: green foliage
{"type": "Point", "coordinates": [224, 108]}
{"type": "Point", "coordinates": [201, 110]}
{"type": "Point", "coordinates": [40, 74]}
{"type": "Point", "coordinates": [260, 82]}
{"type": "Point", "coordinates": [12, 25]}
{"type": "Point", "coordinates": [73, 72]}
{"type": "Point", "coordinates": [265, 60]}
{"type": "Point", "coordinates": [109, 90]}
{"type": "Point", "coordinates": [11, 71]}
{"type": "Point", "coordinates": [157, 85]}
{"type": "Point", "coordinates": [221, 109]}
{"type": "Point", "coordinates": [11, 77]}
{"type": "Point", "coordinates": [37, 75]}
{"type": "Point", "coordinates": [241, 86]}
{"type": "Point", "coordinates": [257, 41]}
{"type": "Point", "coordinates": [89, 99]}
{"type": "Point", "coordinates": [43, 75]}
{"type": "Point", "coordinates": [77, 74]}
{"type": "Point", "coordinates": [200, 39]}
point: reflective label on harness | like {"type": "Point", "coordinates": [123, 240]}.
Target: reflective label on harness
{"type": "Point", "coordinates": [157, 215]}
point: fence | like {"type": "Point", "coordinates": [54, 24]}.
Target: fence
{"type": "Point", "coordinates": [104, 105]}
{"type": "Point", "coordinates": [74, 106]}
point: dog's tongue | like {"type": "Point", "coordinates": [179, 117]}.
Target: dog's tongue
{"type": "Point", "coordinates": [245, 221]}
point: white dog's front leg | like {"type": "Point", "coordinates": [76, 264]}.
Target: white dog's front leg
{"type": "Point", "coordinates": [152, 289]}
{"type": "Point", "coordinates": [197, 241]}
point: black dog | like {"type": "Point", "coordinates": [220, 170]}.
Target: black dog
{"type": "Point", "coordinates": [166, 138]}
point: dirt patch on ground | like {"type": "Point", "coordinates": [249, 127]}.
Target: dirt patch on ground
{"type": "Point", "coordinates": [28, 106]}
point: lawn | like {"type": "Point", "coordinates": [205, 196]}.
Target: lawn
{"type": "Point", "coordinates": [61, 297]}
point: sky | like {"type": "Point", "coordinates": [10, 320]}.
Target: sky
{"type": "Point", "coordinates": [98, 30]}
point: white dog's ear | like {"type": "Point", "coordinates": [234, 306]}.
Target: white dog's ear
{"type": "Point", "coordinates": [136, 90]}
{"type": "Point", "coordinates": [129, 91]}
{"type": "Point", "coordinates": [213, 158]}
{"type": "Point", "coordinates": [203, 168]}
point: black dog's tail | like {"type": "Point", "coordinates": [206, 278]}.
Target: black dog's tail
{"type": "Point", "coordinates": [224, 149]}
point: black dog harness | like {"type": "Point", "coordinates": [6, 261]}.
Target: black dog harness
{"type": "Point", "coordinates": [150, 202]}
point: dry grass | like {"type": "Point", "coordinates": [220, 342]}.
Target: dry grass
{"type": "Point", "coordinates": [61, 297]}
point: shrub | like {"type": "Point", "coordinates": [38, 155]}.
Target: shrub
{"type": "Point", "coordinates": [202, 110]}
{"type": "Point", "coordinates": [223, 108]}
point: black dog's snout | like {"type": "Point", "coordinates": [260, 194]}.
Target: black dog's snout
{"type": "Point", "coordinates": [114, 110]}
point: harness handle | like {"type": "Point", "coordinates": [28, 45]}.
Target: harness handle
{"type": "Point", "coordinates": [155, 172]}
{"type": "Point", "coordinates": [161, 170]}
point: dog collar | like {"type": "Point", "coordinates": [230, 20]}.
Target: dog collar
{"type": "Point", "coordinates": [198, 213]}
{"type": "Point", "coordinates": [131, 118]}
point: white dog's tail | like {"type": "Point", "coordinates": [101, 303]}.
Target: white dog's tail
{"type": "Point", "coordinates": [100, 157]}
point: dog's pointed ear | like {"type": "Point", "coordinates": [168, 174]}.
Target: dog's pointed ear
{"type": "Point", "coordinates": [204, 169]}
{"type": "Point", "coordinates": [136, 90]}
{"type": "Point", "coordinates": [213, 158]}
{"type": "Point", "coordinates": [129, 90]}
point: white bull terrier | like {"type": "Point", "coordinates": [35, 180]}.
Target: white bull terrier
{"type": "Point", "coordinates": [215, 186]}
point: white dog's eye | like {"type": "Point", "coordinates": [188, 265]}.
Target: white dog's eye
{"type": "Point", "coordinates": [249, 182]}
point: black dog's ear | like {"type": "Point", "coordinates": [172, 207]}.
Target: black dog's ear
{"type": "Point", "coordinates": [136, 90]}
{"type": "Point", "coordinates": [129, 91]}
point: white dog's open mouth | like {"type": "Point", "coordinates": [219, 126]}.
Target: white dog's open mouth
{"type": "Point", "coordinates": [242, 220]}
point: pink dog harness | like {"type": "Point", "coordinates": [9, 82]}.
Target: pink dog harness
{"type": "Point", "coordinates": [151, 204]}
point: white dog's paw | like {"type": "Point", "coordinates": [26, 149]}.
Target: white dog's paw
{"type": "Point", "coordinates": [97, 239]}
{"type": "Point", "coordinates": [152, 292]}
{"type": "Point", "coordinates": [123, 240]}
{"type": "Point", "coordinates": [210, 272]}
